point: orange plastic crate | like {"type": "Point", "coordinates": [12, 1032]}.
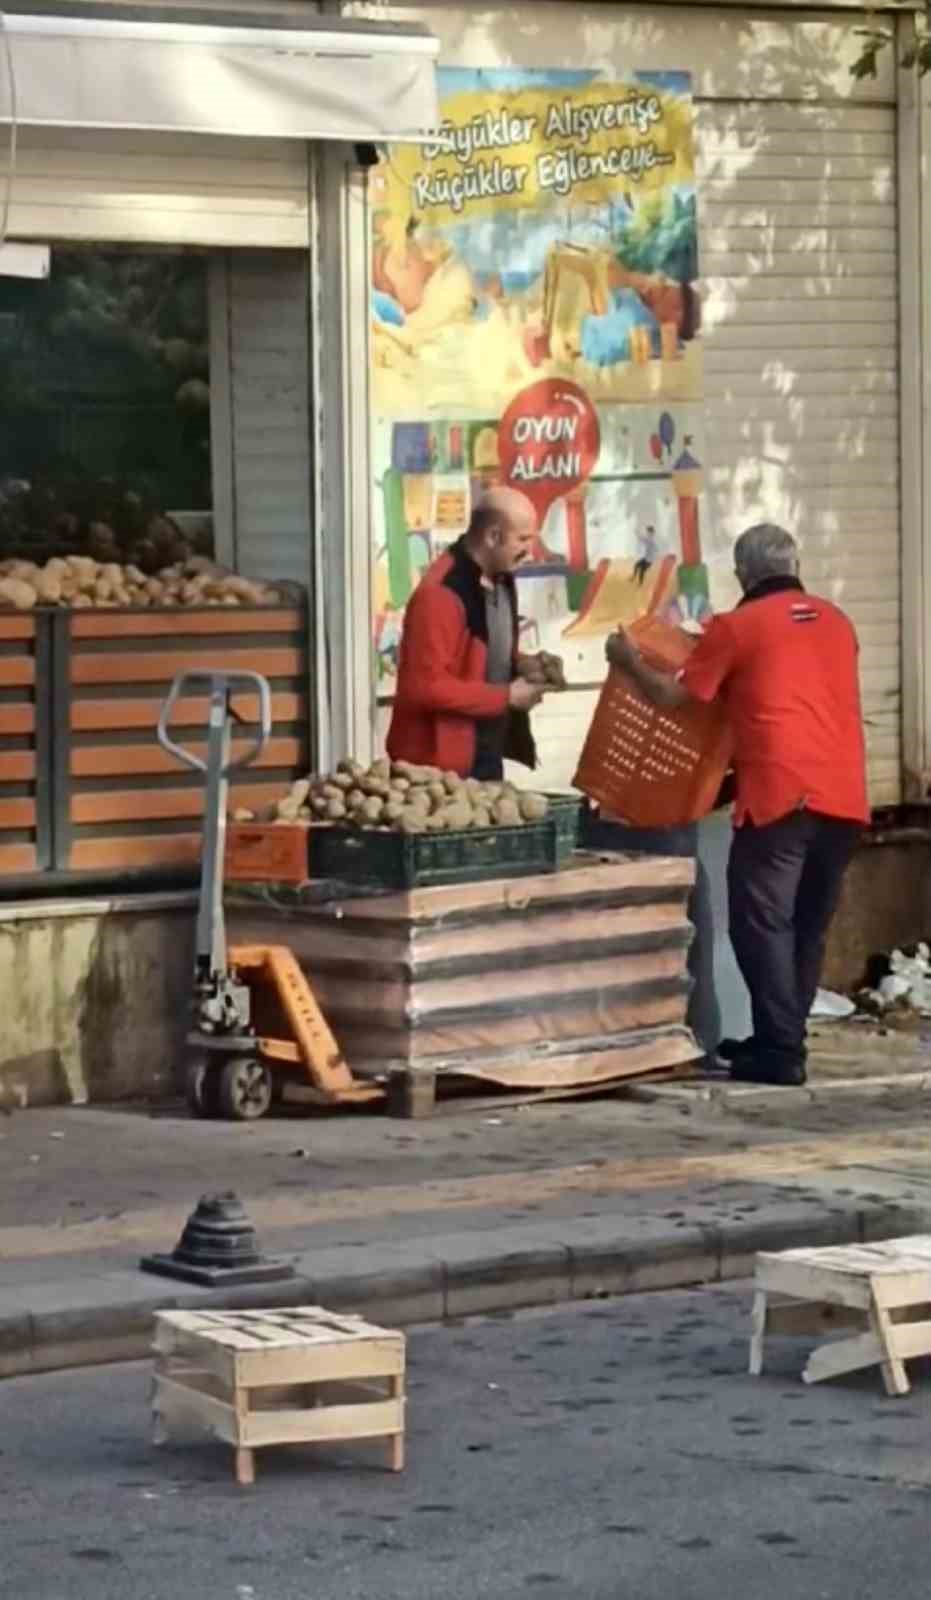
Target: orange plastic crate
{"type": "Point", "coordinates": [649, 767]}
{"type": "Point", "coordinates": [260, 852]}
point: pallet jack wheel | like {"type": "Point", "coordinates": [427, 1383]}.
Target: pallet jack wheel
{"type": "Point", "coordinates": [201, 1088]}
{"type": "Point", "coordinates": [244, 1089]}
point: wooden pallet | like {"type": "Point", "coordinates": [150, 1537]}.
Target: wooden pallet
{"type": "Point", "coordinates": [882, 1291]}
{"type": "Point", "coordinates": [296, 1376]}
{"type": "Point", "coordinates": [568, 981]}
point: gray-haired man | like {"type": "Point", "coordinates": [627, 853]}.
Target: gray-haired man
{"type": "Point", "coordinates": [785, 665]}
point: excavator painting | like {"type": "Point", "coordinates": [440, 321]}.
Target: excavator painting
{"type": "Point", "coordinates": [596, 310]}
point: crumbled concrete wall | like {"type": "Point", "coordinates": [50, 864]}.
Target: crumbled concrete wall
{"type": "Point", "coordinates": [95, 999]}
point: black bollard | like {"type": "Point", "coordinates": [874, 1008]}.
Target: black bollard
{"type": "Point", "coordinates": [218, 1246]}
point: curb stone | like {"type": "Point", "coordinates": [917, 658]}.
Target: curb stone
{"type": "Point", "coordinates": [720, 1091]}
{"type": "Point", "coordinates": [448, 1277]}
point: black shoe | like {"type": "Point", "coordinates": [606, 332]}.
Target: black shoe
{"type": "Point", "coordinates": [770, 1067]}
{"type": "Point", "coordinates": [733, 1049]}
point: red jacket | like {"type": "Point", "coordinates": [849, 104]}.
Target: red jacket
{"type": "Point", "coordinates": [785, 665]}
{"type": "Point", "coordinates": [442, 690]}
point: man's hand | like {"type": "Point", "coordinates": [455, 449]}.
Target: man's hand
{"type": "Point", "coordinates": [532, 668]}
{"type": "Point", "coordinates": [523, 696]}
{"type": "Point", "coordinates": [661, 688]}
{"type": "Point", "coordinates": [620, 652]}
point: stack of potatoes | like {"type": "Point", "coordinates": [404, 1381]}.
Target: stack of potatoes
{"type": "Point", "coordinates": [393, 795]}
{"type": "Point", "coordinates": [81, 582]}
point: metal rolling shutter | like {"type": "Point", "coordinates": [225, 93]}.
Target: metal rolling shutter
{"type": "Point", "coordinates": [146, 188]}
{"type": "Point", "coordinates": [798, 258]}
{"type": "Point", "coordinates": [262, 445]}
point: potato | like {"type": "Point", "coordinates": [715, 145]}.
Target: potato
{"type": "Point", "coordinates": [354, 768]}
{"type": "Point", "coordinates": [342, 780]}
{"type": "Point", "coordinates": [372, 809]}
{"type": "Point", "coordinates": [411, 821]}
{"type": "Point", "coordinates": [318, 805]}
{"type": "Point", "coordinates": [481, 818]}
{"type": "Point", "coordinates": [15, 592]}
{"type": "Point", "coordinates": [400, 786]}
{"type": "Point", "coordinates": [506, 813]}
{"type": "Point", "coordinates": [288, 808]}
{"type": "Point", "coordinates": [243, 814]}
{"type": "Point", "coordinates": [553, 671]}
{"type": "Point", "coordinates": [335, 811]}
{"type": "Point", "coordinates": [355, 800]}
{"type": "Point", "coordinates": [300, 790]}
{"type": "Point", "coordinates": [83, 567]}
{"type": "Point", "coordinates": [394, 810]}
{"type": "Point", "coordinates": [48, 589]}
{"type": "Point", "coordinates": [452, 782]}
{"type": "Point", "coordinates": [459, 816]}
{"type": "Point", "coordinates": [436, 792]}
{"type": "Point", "coordinates": [380, 770]}
{"type": "Point", "coordinates": [533, 807]}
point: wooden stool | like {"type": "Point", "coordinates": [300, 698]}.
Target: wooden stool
{"type": "Point", "coordinates": [882, 1290]}
{"type": "Point", "coordinates": [298, 1376]}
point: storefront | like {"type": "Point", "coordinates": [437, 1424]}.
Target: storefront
{"type": "Point", "coordinates": [160, 394]}
{"type": "Point", "coordinates": [793, 395]}
{"type": "Point", "coordinates": [789, 391]}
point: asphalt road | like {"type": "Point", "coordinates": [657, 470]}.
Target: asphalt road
{"type": "Point", "coordinates": [614, 1449]}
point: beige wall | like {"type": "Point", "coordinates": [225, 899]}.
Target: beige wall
{"type": "Point", "coordinates": [96, 999]}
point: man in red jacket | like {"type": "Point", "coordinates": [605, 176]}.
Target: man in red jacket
{"type": "Point", "coordinates": [785, 665]}
{"type": "Point", "coordinates": [464, 691]}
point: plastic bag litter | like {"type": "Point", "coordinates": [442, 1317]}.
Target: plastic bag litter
{"type": "Point", "coordinates": [831, 1007]}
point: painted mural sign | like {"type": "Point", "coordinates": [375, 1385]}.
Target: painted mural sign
{"type": "Point", "coordinates": [536, 322]}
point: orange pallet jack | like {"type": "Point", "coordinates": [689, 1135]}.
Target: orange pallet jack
{"type": "Point", "coordinates": [258, 1033]}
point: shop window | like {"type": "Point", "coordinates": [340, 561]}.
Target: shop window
{"type": "Point", "coordinates": [105, 409]}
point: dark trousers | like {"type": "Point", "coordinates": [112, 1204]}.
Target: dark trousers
{"type": "Point", "coordinates": [784, 882]}
{"type": "Point", "coordinates": [487, 768]}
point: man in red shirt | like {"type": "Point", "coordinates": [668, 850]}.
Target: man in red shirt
{"type": "Point", "coordinates": [785, 665]}
{"type": "Point", "coordinates": [464, 692]}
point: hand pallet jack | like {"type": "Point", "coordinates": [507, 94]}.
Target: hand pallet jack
{"type": "Point", "coordinates": [258, 1032]}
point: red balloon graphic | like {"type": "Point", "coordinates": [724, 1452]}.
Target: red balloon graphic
{"type": "Point", "coordinates": [548, 441]}
{"type": "Point", "coordinates": [656, 447]}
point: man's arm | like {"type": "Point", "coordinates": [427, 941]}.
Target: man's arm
{"type": "Point", "coordinates": [430, 650]}
{"type": "Point", "coordinates": [661, 688]}
{"type": "Point", "coordinates": [702, 678]}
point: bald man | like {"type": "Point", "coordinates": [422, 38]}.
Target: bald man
{"type": "Point", "coordinates": [464, 692]}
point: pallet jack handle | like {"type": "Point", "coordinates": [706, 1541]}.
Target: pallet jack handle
{"type": "Point", "coordinates": [220, 687]}
{"type": "Point", "coordinates": [210, 956]}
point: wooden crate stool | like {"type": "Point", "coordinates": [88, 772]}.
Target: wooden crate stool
{"type": "Point", "coordinates": [297, 1376]}
{"type": "Point", "coordinates": [881, 1291]}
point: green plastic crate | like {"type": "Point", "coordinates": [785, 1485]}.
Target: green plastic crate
{"type": "Point", "coordinates": [425, 860]}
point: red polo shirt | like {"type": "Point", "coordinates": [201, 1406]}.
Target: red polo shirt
{"type": "Point", "coordinates": [785, 665]}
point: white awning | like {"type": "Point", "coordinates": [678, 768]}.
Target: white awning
{"type": "Point", "coordinates": [361, 82]}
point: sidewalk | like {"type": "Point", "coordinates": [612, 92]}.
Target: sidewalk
{"type": "Point", "coordinates": [460, 1214]}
